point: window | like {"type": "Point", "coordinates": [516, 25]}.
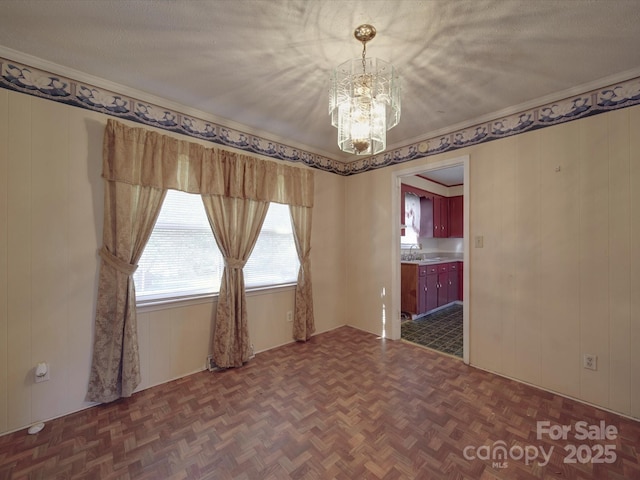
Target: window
{"type": "Point", "coordinates": [411, 220]}
{"type": "Point", "coordinates": [182, 258]}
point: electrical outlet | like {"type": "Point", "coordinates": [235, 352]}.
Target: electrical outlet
{"type": "Point", "coordinates": [590, 361]}
{"type": "Point", "coordinates": [289, 316]}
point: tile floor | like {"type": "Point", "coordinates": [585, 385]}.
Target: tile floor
{"type": "Point", "coordinates": [441, 330]}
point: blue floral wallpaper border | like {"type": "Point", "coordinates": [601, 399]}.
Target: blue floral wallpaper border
{"type": "Point", "coordinates": [29, 80]}
{"type": "Point", "coordinates": [621, 95]}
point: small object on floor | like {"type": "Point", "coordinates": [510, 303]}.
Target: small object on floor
{"type": "Point", "coordinates": [33, 429]}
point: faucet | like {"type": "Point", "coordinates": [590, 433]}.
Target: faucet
{"type": "Point", "coordinates": [412, 257]}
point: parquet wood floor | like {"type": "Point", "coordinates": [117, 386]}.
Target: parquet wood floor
{"type": "Point", "coordinates": [345, 405]}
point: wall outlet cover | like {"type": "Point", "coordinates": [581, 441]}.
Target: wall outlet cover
{"type": "Point", "coordinates": [42, 372]}
{"type": "Point", "coordinates": [590, 361]}
{"type": "Point", "coordinates": [211, 366]}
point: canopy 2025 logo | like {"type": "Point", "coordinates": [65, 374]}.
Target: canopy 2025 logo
{"type": "Point", "coordinates": [499, 454]}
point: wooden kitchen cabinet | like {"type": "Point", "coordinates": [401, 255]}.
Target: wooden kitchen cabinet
{"type": "Point", "coordinates": [413, 288]}
{"type": "Point", "coordinates": [440, 217]}
{"type": "Point", "coordinates": [453, 282]}
{"type": "Point", "coordinates": [431, 290]}
{"type": "Point", "coordinates": [434, 216]}
{"type": "Point", "coordinates": [448, 285]}
{"type": "Point", "coordinates": [427, 287]}
{"type": "Point", "coordinates": [456, 219]}
{"type": "Point", "coordinates": [442, 292]}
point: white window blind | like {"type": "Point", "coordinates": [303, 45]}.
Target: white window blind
{"type": "Point", "coordinates": [182, 259]}
{"type": "Point", "coordinates": [274, 260]}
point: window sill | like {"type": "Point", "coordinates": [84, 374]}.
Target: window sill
{"type": "Point", "coordinates": [167, 303]}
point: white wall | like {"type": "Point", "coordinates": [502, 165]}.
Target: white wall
{"type": "Point", "coordinates": [558, 275]}
{"type": "Point", "coordinates": [51, 205]}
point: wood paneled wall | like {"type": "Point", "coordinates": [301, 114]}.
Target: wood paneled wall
{"type": "Point", "coordinates": [51, 206]}
{"type": "Point", "coordinates": [559, 274]}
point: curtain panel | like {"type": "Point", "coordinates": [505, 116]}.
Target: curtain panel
{"type": "Point", "coordinates": [130, 212]}
{"type": "Point", "coordinates": [303, 321]}
{"type": "Point", "coordinates": [236, 225]}
{"type": "Point", "coordinates": [139, 166]}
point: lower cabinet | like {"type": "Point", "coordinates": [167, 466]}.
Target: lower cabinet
{"type": "Point", "coordinates": [453, 282]}
{"type": "Point", "coordinates": [431, 292]}
{"type": "Point", "coordinates": [426, 287]}
{"type": "Point", "coordinates": [413, 288]}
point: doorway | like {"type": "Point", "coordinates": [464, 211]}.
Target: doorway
{"type": "Point", "coordinates": [397, 177]}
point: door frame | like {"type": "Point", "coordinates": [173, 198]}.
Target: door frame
{"type": "Point", "coordinates": [395, 243]}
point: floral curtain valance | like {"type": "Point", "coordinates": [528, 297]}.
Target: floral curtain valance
{"type": "Point", "coordinates": [165, 162]}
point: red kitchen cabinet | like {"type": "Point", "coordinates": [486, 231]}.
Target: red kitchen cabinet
{"type": "Point", "coordinates": [440, 217]}
{"type": "Point", "coordinates": [431, 290]}
{"type": "Point", "coordinates": [421, 296]}
{"type": "Point", "coordinates": [443, 284]}
{"type": "Point", "coordinates": [456, 219]}
{"type": "Point", "coordinates": [413, 288]}
{"type": "Point", "coordinates": [427, 287]}
{"type": "Point", "coordinates": [453, 283]}
{"type": "Point", "coordinates": [434, 216]}
{"type": "Point", "coordinates": [448, 284]}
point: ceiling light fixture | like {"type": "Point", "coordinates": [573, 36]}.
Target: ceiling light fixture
{"type": "Point", "coordinates": [364, 100]}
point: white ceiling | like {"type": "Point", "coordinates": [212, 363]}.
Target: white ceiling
{"type": "Point", "coordinates": [448, 176]}
{"type": "Point", "coordinates": [265, 64]}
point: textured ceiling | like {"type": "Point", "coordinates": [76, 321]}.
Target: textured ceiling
{"type": "Point", "coordinates": [264, 64]}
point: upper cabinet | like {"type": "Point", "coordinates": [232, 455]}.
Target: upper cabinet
{"type": "Point", "coordinates": [440, 217]}
{"type": "Point", "coordinates": [456, 220]}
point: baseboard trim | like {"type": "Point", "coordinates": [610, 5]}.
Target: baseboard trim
{"type": "Point", "coordinates": [584, 402]}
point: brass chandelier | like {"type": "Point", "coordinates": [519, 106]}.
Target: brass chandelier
{"type": "Point", "coordinates": [364, 100]}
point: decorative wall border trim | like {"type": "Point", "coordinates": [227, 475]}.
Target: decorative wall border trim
{"type": "Point", "coordinates": [602, 100]}
{"type": "Point", "coordinates": [32, 81]}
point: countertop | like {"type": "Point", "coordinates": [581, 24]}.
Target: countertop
{"type": "Point", "coordinates": [435, 260]}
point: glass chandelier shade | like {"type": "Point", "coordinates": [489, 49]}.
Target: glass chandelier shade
{"type": "Point", "coordinates": [364, 102]}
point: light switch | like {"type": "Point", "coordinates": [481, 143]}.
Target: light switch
{"type": "Point", "coordinates": [479, 241]}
